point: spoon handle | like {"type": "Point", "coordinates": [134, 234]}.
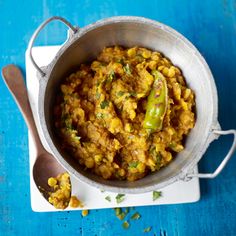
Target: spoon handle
{"type": "Point", "coordinates": [14, 80]}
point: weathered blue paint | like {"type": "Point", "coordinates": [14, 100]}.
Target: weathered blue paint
{"type": "Point", "coordinates": [211, 26]}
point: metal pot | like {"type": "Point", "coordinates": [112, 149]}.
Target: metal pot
{"type": "Point", "coordinates": [84, 44]}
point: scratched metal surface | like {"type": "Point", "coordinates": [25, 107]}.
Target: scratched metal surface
{"type": "Point", "coordinates": [211, 26]}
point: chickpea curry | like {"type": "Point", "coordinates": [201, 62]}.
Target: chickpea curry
{"type": "Point", "coordinates": [125, 114]}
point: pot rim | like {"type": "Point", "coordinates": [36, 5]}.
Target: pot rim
{"type": "Point", "coordinates": [188, 167]}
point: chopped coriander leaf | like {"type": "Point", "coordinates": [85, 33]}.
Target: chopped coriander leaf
{"type": "Point", "coordinates": [120, 198]}
{"type": "Point", "coordinates": [133, 94]}
{"type": "Point", "coordinates": [104, 104]}
{"type": "Point", "coordinates": [117, 211]}
{"type": "Point", "coordinates": [121, 61]}
{"type": "Point", "coordinates": [133, 164]}
{"type": "Point", "coordinates": [175, 147]}
{"type": "Point", "coordinates": [111, 76]}
{"type": "Point", "coordinates": [108, 198]}
{"type": "Point", "coordinates": [153, 151]}
{"type": "Point", "coordinates": [127, 69]}
{"type": "Point", "coordinates": [68, 123]}
{"type": "Point", "coordinates": [158, 159]}
{"type": "Point", "coordinates": [135, 216]}
{"type": "Point", "coordinates": [102, 191]}
{"type": "Point", "coordinates": [156, 155]}
{"type": "Point", "coordinates": [97, 95]}
{"type": "Point", "coordinates": [156, 195]}
{"type": "Point", "coordinates": [125, 225]}
{"type": "Point", "coordinates": [148, 229]}
{"type": "Point", "coordinates": [122, 215]}
{"type": "Point", "coordinates": [120, 93]}
{"type": "Point", "coordinates": [100, 115]}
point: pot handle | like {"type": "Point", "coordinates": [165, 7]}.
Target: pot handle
{"type": "Point", "coordinates": [223, 163]}
{"type": "Point", "coordinates": [31, 42]}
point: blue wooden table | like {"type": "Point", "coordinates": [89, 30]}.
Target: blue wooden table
{"type": "Point", "coordinates": [211, 26]}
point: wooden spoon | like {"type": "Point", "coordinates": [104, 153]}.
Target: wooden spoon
{"type": "Point", "coordinates": [45, 165]}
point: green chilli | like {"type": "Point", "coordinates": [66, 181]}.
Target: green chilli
{"type": "Point", "coordinates": [156, 104]}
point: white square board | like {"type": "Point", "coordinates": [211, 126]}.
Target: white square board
{"type": "Point", "coordinates": [93, 198]}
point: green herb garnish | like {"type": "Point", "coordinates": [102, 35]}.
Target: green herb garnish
{"type": "Point", "coordinates": [120, 198]}
{"type": "Point", "coordinates": [133, 94]}
{"type": "Point", "coordinates": [108, 198]}
{"type": "Point", "coordinates": [125, 225]}
{"type": "Point", "coordinates": [104, 104]}
{"type": "Point", "coordinates": [156, 195]}
{"type": "Point", "coordinates": [175, 147]}
{"type": "Point", "coordinates": [133, 164]}
{"type": "Point", "coordinates": [120, 93]}
{"type": "Point", "coordinates": [139, 58]}
{"type": "Point", "coordinates": [127, 69]}
{"type": "Point", "coordinates": [100, 115]}
{"type": "Point", "coordinates": [69, 127]}
{"type": "Point", "coordinates": [111, 76]}
{"type": "Point", "coordinates": [148, 229]}
{"type": "Point", "coordinates": [135, 216]}
{"type": "Point", "coordinates": [121, 61]}
{"type": "Point", "coordinates": [156, 155]}
{"type": "Point", "coordinates": [122, 215]}
{"type": "Point", "coordinates": [68, 124]}
{"type": "Point", "coordinates": [152, 150]}
{"type": "Point", "coordinates": [117, 211]}
{"type": "Point", "coordinates": [97, 95]}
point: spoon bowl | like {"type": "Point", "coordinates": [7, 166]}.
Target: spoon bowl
{"type": "Point", "coordinates": [46, 165]}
